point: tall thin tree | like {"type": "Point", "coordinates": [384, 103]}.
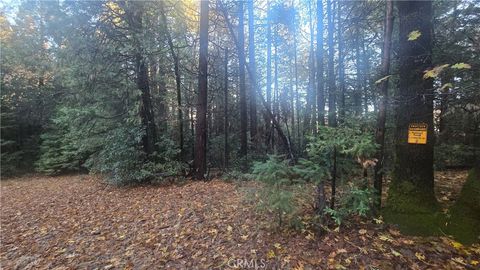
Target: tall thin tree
{"type": "Point", "coordinates": [253, 68]}
{"type": "Point", "coordinates": [383, 96]}
{"type": "Point", "coordinates": [320, 80]}
{"type": "Point", "coordinates": [178, 80]}
{"type": "Point", "coordinates": [242, 86]}
{"type": "Point", "coordinates": [332, 97]}
{"type": "Point", "coordinates": [200, 161]}
{"type": "Point", "coordinates": [341, 63]}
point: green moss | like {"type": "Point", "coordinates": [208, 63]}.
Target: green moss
{"type": "Point", "coordinates": [464, 221]}
{"type": "Point", "coordinates": [415, 211]}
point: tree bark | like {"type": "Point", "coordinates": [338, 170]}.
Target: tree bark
{"type": "Point", "coordinates": [226, 152]}
{"type": "Point", "coordinates": [341, 64]}
{"type": "Point", "coordinates": [383, 97]}
{"type": "Point", "coordinates": [200, 162]}
{"type": "Point", "coordinates": [178, 82]}
{"type": "Point", "coordinates": [242, 88]}
{"type": "Point", "coordinates": [269, 127]}
{"type": "Point", "coordinates": [332, 97]}
{"type": "Point", "coordinates": [310, 116]}
{"type": "Point", "coordinates": [253, 78]}
{"type": "Point", "coordinates": [297, 94]}
{"type": "Point", "coordinates": [320, 81]}
{"type": "Point", "coordinates": [267, 107]}
{"type": "Point", "coordinates": [357, 95]}
{"type": "Point", "coordinates": [134, 14]}
{"type": "Point", "coordinates": [411, 190]}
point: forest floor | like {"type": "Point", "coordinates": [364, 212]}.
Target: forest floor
{"type": "Point", "coordinates": [79, 222]}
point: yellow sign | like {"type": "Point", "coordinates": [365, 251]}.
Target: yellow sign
{"type": "Point", "coordinates": [417, 133]}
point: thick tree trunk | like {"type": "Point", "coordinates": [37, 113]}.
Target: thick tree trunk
{"type": "Point", "coordinates": [200, 162]}
{"type": "Point", "coordinates": [383, 96]}
{"type": "Point", "coordinates": [332, 97]}
{"type": "Point", "coordinates": [178, 82]}
{"type": "Point", "coordinates": [149, 139]}
{"type": "Point", "coordinates": [320, 82]}
{"type": "Point", "coordinates": [242, 87]}
{"type": "Point", "coordinates": [253, 78]}
{"type": "Point", "coordinates": [411, 190]}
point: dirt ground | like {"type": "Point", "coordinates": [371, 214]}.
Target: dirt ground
{"type": "Point", "coordinates": [77, 222]}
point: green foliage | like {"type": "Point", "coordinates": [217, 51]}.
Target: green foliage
{"type": "Point", "coordinates": [280, 190]}
{"type": "Point", "coordinates": [10, 154]}
{"type": "Point", "coordinates": [455, 155]}
{"type": "Point", "coordinates": [9, 157]}
{"type": "Point", "coordinates": [123, 160]}
{"type": "Point", "coordinates": [350, 143]}
{"type": "Point", "coordinates": [60, 149]}
{"type": "Point", "coordinates": [235, 175]}
{"type": "Point", "coordinates": [355, 201]}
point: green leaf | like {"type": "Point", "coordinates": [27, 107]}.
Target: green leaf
{"type": "Point", "coordinates": [461, 66]}
{"type": "Point", "coordinates": [382, 79]}
{"type": "Point", "coordinates": [414, 35]}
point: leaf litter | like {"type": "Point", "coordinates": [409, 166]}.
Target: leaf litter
{"type": "Point", "coordinates": [78, 222]}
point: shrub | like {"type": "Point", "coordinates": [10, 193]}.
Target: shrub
{"type": "Point", "coordinates": [355, 201]}
{"type": "Point", "coordinates": [124, 162]}
{"type": "Point", "coordinates": [281, 187]}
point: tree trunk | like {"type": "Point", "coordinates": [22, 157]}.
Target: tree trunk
{"type": "Point", "coordinates": [366, 77]}
{"type": "Point", "coordinates": [332, 97]}
{"type": "Point", "coordinates": [383, 96]}
{"type": "Point", "coordinates": [269, 127]}
{"type": "Point", "coordinates": [297, 95]}
{"type": "Point", "coordinates": [253, 78]}
{"type": "Point", "coordinates": [310, 111]}
{"type": "Point", "coordinates": [411, 190]}
{"type": "Point", "coordinates": [276, 91]}
{"type": "Point", "coordinates": [149, 138]}
{"type": "Point", "coordinates": [357, 94]}
{"type": "Point", "coordinates": [178, 82]}
{"type": "Point", "coordinates": [267, 107]}
{"type": "Point", "coordinates": [320, 90]}
{"type": "Point", "coordinates": [241, 74]}
{"type": "Point", "coordinates": [200, 162]}
{"type": "Point", "coordinates": [226, 152]}
{"type": "Point", "coordinates": [341, 64]}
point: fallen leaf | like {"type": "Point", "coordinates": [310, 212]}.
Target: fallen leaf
{"type": "Point", "coordinates": [420, 256]}
{"type": "Point", "coordinates": [395, 253]}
